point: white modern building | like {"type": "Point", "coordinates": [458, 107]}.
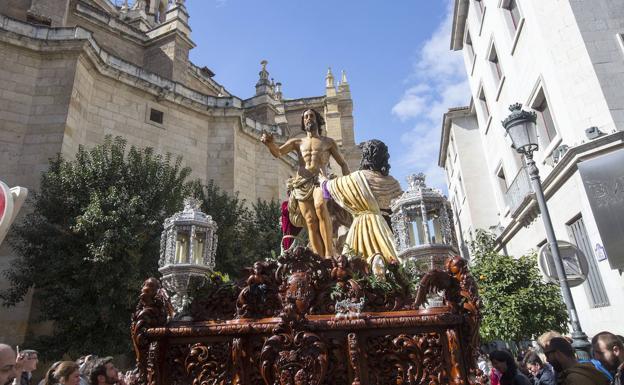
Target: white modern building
{"type": "Point", "coordinates": [564, 60]}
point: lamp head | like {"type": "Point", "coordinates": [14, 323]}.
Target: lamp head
{"type": "Point", "coordinates": [520, 125]}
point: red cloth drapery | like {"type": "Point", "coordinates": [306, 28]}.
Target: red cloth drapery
{"type": "Point", "coordinates": [287, 227]}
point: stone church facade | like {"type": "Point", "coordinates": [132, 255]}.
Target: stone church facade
{"type": "Point", "coordinates": [74, 71]}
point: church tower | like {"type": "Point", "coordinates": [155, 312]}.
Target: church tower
{"type": "Point", "coordinates": [339, 117]}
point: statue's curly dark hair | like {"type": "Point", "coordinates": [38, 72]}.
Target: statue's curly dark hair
{"type": "Point", "coordinates": [375, 156]}
{"type": "Point", "coordinates": [319, 120]}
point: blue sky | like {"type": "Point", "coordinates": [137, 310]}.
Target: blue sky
{"type": "Point", "coordinates": [396, 55]}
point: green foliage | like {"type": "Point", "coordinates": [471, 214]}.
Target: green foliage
{"type": "Point", "coordinates": [245, 234]}
{"type": "Point", "coordinates": [94, 234]}
{"type": "Point", "coordinates": [204, 287]}
{"type": "Point", "coordinates": [414, 270]}
{"type": "Point", "coordinates": [267, 230]}
{"type": "Point", "coordinates": [399, 279]}
{"type": "Point", "coordinates": [92, 238]}
{"type": "Point", "coordinates": [517, 305]}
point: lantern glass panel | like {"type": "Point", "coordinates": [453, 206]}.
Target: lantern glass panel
{"type": "Point", "coordinates": [182, 248]}
{"type": "Point", "coordinates": [531, 130]}
{"type": "Point", "coordinates": [198, 248]}
{"type": "Point", "coordinates": [416, 233]}
{"type": "Point", "coordinates": [519, 135]}
{"type": "Point", "coordinates": [435, 228]}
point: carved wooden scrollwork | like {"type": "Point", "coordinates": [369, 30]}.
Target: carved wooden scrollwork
{"type": "Point", "coordinates": [299, 359]}
{"type": "Point", "coordinates": [461, 294]}
{"type": "Point", "coordinates": [259, 297]}
{"type": "Point", "coordinates": [303, 277]}
{"type": "Point", "coordinates": [175, 360]}
{"type": "Point", "coordinates": [405, 359]}
{"type": "Point", "coordinates": [210, 363]}
{"type": "Point", "coordinates": [337, 367]}
{"type": "Point", "coordinates": [152, 364]}
{"type": "Point", "coordinates": [280, 326]}
{"type": "Point", "coordinates": [151, 311]}
{"type": "Point", "coordinates": [254, 347]}
{"type": "Point", "coordinates": [434, 361]}
{"type": "Point", "coordinates": [354, 357]}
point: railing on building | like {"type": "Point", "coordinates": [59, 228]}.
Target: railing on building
{"type": "Point", "coordinates": [518, 192]}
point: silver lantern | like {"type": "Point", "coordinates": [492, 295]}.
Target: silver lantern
{"type": "Point", "coordinates": [422, 224]}
{"type": "Point", "coordinates": [187, 251]}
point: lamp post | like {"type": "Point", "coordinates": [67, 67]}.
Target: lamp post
{"type": "Point", "coordinates": [520, 125]}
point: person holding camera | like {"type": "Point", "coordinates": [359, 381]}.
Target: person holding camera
{"type": "Point", "coordinates": [25, 364]}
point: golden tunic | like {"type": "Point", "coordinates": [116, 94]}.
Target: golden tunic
{"type": "Point", "coordinates": [369, 234]}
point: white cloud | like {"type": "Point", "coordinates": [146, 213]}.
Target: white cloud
{"type": "Point", "coordinates": [440, 83]}
{"type": "Point", "coordinates": [413, 103]}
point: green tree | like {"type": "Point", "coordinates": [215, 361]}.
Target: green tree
{"type": "Point", "coordinates": [267, 230]}
{"type": "Point", "coordinates": [92, 238]}
{"type": "Point", "coordinates": [517, 304]}
{"type": "Point", "coordinates": [245, 234]}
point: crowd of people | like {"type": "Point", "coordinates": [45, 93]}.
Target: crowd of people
{"type": "Point", "coordinates": [555, 363]}
{"type": "Point", "coordinates": [16, 368]}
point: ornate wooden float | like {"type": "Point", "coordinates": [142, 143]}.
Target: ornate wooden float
{"type": "Point", "coordinates": [307, 320]}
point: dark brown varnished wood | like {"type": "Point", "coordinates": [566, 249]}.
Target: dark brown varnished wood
{"type": "Point", "coordinates": [283, 330]}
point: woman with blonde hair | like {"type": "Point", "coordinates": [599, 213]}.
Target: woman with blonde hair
{"type": "Point", "coordinates": [65, 373]}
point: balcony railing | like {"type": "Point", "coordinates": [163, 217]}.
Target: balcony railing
{"type": "Point", "coordinates": [519, 191]}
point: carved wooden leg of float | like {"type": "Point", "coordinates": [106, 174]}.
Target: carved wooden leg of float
{"type": "Point", "coordinates": [239, 359]}
{"type": "Point", "coordinates": [457, 377]}
{"type": "Point", "coordinates": [152, 365]}
{"type": "Point", "coordinates": [354, 357]}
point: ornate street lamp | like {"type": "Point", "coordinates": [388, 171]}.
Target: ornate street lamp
{"type": "Point", "coordinates": [187, 251]}
{"type": "Point", "coordinates": [520, 125]}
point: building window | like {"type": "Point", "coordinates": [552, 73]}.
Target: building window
{"type": "Point", "coordinates": [484, 105]}
{"type": "Point", "coordinates": [469, 47]}
{"type": "Point", "coordinates": [480, 7]}
{"type": "Point", "coordinates": [501, 179]}
{"type": "Point", "coordinates": [460, 184]}
{"type": "Point", "coordinates": [452, 149]}
{"type": "Point", "coordinates": [594, 287]}
{"type": "Point", "coordinates": [546, 130]}
{"type": "Point", "coordinates": [620, 39]}
{"type": "Point", "coordinates": [495, 65]}
{"type": "Point", "coordinates": [156, 116]}
{"type": "Point", "coordinates": [514, 13]}
{"type": "Point", "coordinates": [449, 165]}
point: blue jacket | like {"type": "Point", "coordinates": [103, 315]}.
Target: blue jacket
{"type": "Point", "coordinates": [545, 377]}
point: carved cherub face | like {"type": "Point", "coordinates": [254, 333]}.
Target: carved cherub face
{"type": "Point", "coordinates": [150, 286]}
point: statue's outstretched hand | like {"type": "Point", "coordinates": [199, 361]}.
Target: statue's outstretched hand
{"type": "Point", "coordinates": [266, 138]}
